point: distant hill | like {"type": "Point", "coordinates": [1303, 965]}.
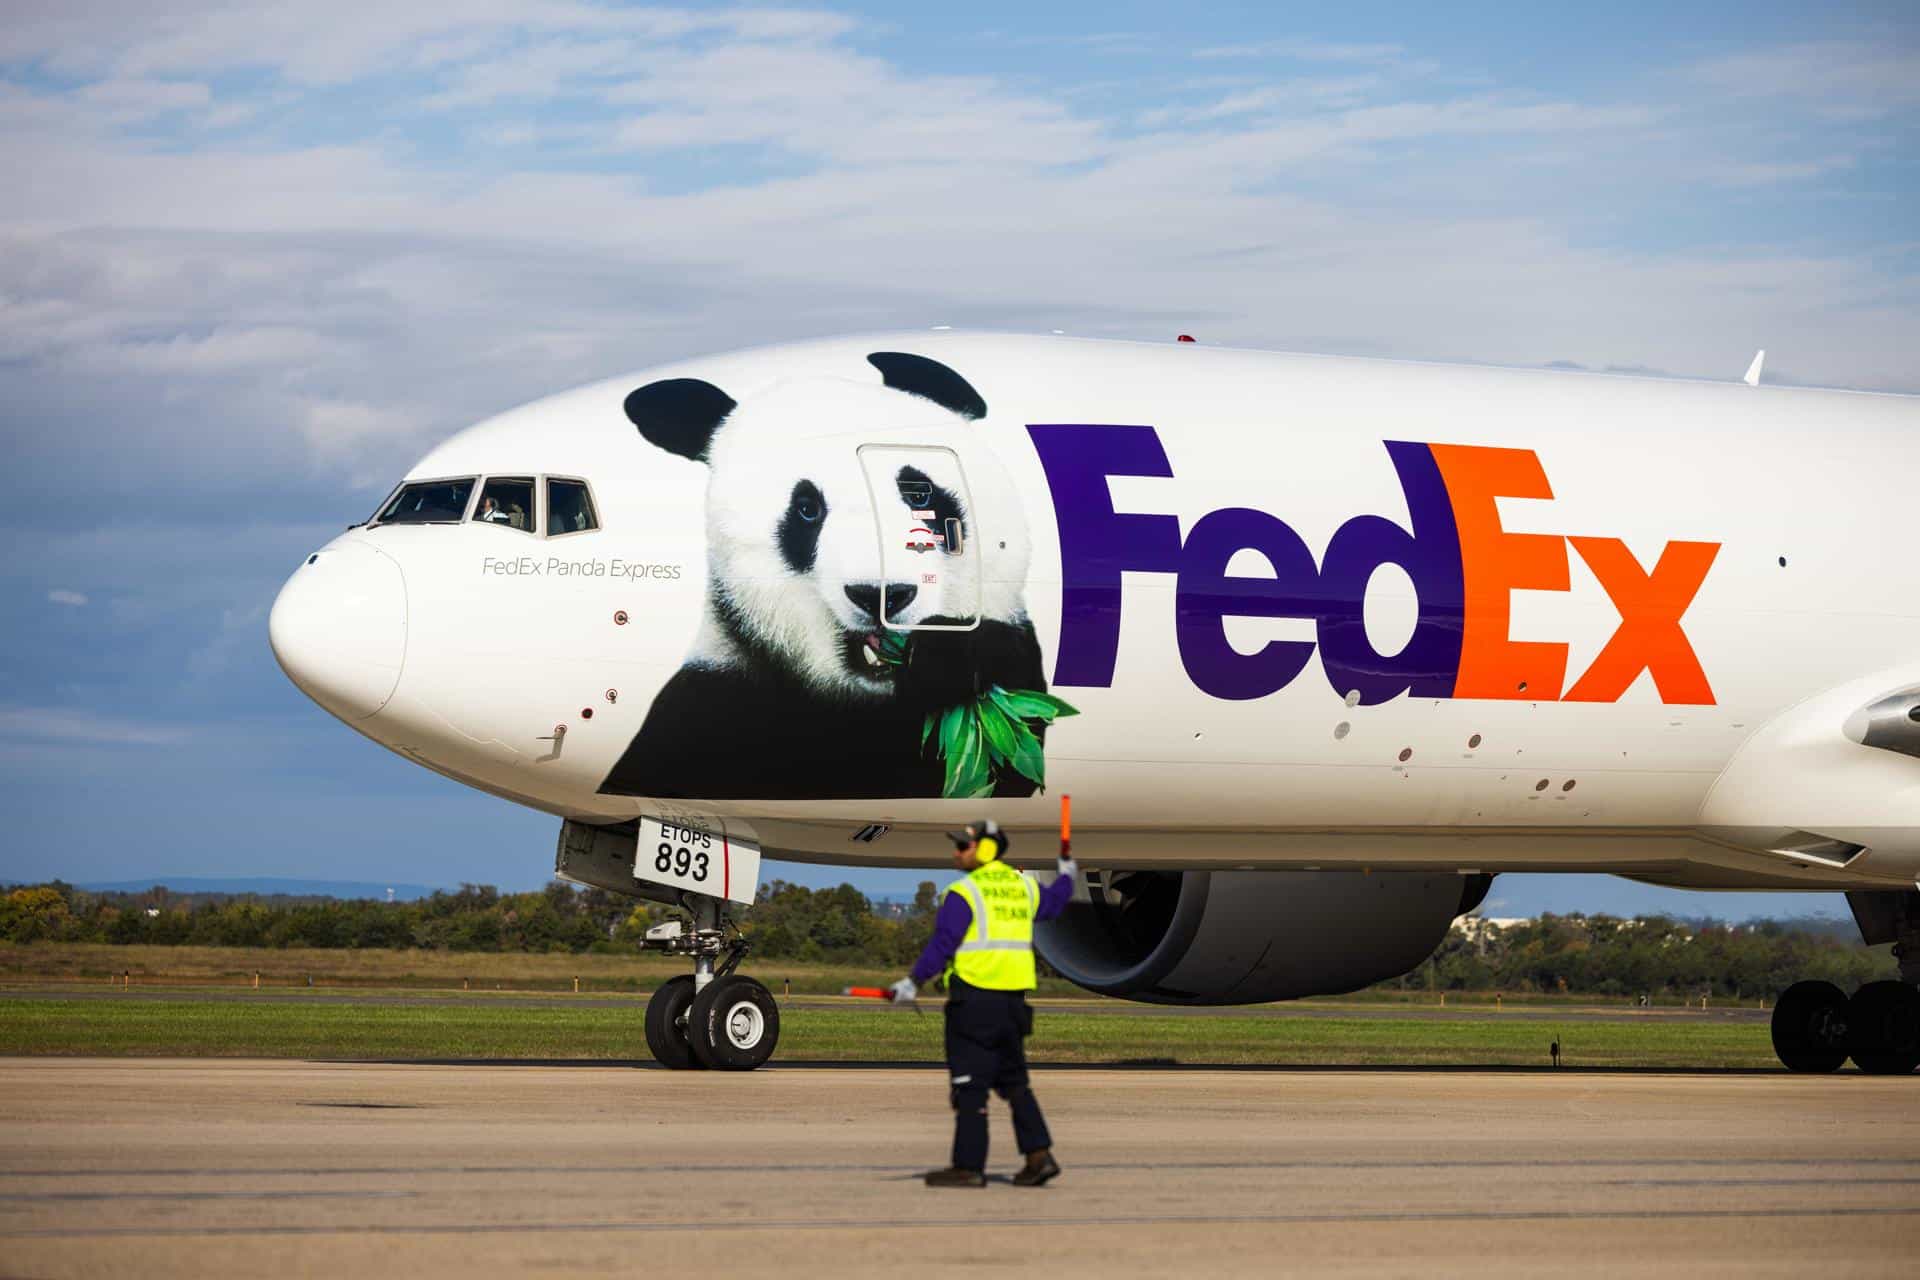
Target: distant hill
{"type": "Point", "coordinates": [265, 886]}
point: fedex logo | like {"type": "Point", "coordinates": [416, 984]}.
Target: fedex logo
{"type": "Point", "coordinates": [1464, 568]}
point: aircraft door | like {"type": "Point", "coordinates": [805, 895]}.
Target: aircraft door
{"type": "Point", "coordinates": [930, 568]}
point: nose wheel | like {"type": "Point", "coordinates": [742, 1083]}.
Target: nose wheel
{"type": "Point", "coordinates": [712, 1018]}
{"type": "Point", "coordinates": [667, 1024]}
{"type": "Point", "coordinates": [733, 1025]}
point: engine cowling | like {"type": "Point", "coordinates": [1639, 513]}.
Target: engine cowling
{"type": "Point", "coordinates": [1242, 937]}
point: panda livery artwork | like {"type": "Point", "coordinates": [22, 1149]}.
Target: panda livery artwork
{"type": "Point", "coordinates": [858, 674]}
{"type": "Point", "coordinates": [1319, 646]}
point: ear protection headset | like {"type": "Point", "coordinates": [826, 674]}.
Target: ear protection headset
{"type": "Point", "coordinates": [985, 837]}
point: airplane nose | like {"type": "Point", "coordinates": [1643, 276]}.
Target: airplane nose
{"type": "Point", "coordinates": [339, 628]}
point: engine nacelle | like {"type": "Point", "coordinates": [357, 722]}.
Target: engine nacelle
{"type": "Point", "coordinates": [1242, 937]}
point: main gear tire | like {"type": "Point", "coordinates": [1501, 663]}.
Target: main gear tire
{"type": "Point", "coordinates": [1883, 1028]}
{"type": "Point", "coordinates": [1810, 1027]}
{"type": "Point", "coordinates": [734, 1024]}
{"type": "Point", "coordinates": [668, 1017]}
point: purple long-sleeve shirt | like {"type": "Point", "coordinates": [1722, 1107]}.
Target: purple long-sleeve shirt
{"type": "Point", "coordinates": [955, 915]}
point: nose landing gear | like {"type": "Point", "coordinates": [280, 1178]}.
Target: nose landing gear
{"type": "Point", "coordinates": [712, 1018]}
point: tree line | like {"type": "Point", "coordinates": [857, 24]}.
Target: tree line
{"type": "Point", "coordinates": [1596, 955]}
{"type": "Point", "coordinates": [788, 922]}
{"type": "Point", "coordinates": [1657, 956]}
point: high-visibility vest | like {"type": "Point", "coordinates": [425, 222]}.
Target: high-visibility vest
{"type": "Point", "coordinates": [997, 952]}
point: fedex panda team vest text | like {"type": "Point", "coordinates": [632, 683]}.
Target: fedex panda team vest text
{"type": "Point", "coordinates": [997, 953]}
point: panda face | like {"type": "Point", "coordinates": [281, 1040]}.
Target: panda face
{"type": "Point", "coordinates": [806, 536]}
{"type": "Point", "coordinates": [806, 541]}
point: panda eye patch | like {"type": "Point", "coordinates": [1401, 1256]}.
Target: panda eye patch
{"type": "Point", "coordinates": [800, 526]}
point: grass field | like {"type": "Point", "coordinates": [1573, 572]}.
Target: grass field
{"type": "Point", "coordinates": [186, 1025]}
{"type": "Point", "coordinates": [39, 963]}
{"type": "Point", "coordinates": [44, 964]}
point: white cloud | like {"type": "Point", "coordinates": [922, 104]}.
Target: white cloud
{"type": "Point", "coordinates": [337, 42]}
{"type": "Point", "coordinates": [61, 595]}
{"type": "Point", "coordinates": [1762, 174]}
{"type": "Point", "coordinates": [272, 347]}
{"type": "Point", "coordinates": [1857, 78]}
{"type": "Point", "coordinates": [240, 628]}
{"type": "Point", "coordinates": [127, 100]}
{"type": "Point", "coordinates": [54, 725]}
{"type": "Point", "coordinates": [1307, 51]}
{"type": "Point", "coordinates": [688, 181]}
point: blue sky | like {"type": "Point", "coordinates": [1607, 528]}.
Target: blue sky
{"type": "Point", "coordinates": [256, 257]}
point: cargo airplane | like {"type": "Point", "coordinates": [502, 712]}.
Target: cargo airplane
{"type": "Point", "coordinates": [1318, 645]}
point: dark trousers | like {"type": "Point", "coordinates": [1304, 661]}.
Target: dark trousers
{"type": "Point", "coordinates": [984, 1051]}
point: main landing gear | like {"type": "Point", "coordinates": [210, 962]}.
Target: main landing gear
{"type": "Point", "coordinates": [712, 1018]}
{"type": "Point", "coordinates": [1817, 1028]}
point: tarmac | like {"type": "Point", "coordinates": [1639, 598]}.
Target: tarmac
{"type": "Point", "coordinates": [162, 1167]}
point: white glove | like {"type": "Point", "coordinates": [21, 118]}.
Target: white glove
{"type": "Point", "coordinates": [904, 992]}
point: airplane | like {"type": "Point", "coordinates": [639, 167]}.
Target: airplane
{"type": "Point", "coordinates": [1318, 645]}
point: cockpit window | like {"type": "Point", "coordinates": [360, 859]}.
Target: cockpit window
{"type": "Point", "coordinates": [569, 507]}
{"type": "Point", "coordinates": [428, 502]}
{"type": "Point", "coordinates": [507, 500]}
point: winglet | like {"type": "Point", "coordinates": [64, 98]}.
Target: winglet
{"type": "Point", "coordinates": [1753, 370]}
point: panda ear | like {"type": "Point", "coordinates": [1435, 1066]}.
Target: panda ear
{"type": "Point", "coordinates": [920, 376]}
{"type": "Point", "coordinates": [680, 414]}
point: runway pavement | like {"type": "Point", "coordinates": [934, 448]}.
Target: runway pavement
{"type": "Point", "coordinates": [168, 1167]}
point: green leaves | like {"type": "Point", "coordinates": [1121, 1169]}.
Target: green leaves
{"type": "Point", "coordinates": [985, 740]}
{"type": "Point", "coordinates": [962, 742]}
{"type": "Point", "coordinates": [1027, 704]}
{"type": "Point", "coordinates": [988, 739]}
{"type": "Point", "coordinates": [892, 649]}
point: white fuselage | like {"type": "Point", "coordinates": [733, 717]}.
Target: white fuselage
{"type": "Point", "coordinates": [1705, 744]}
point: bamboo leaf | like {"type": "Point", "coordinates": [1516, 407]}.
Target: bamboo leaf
{"type": "Point", "coordinates": [1061, 706]}
{"type": "Point", "coordinates": [892, 649]}
{"type": "Point", "coordinates": [998, 727]}
{"type": "Point", "coordinates": [967, 762]}
{"type": "Point", "coordinates": [1029, 758]}
{"type": "Point", "coordinates": [1026, 704]}
{"type": "Point", "coordinates": [950, 727]}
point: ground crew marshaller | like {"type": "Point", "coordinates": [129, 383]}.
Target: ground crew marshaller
{"type": "Point", "coordinates": [983, 941]}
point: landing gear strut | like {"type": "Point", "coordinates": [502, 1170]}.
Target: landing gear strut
{"type": "Point", "coordinates": [712, 1018]}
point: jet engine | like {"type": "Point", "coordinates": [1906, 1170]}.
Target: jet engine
{"type": "Point", "coordinates": [1242, 937]}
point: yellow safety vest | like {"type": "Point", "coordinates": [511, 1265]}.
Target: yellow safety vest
{"type": "Point", "coordinates": [997, 952]}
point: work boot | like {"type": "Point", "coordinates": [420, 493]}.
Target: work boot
{"type": "Point", "coordinates": [1039, 1167]}
{"type": "Point", "coordinates": [956, 1177]}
